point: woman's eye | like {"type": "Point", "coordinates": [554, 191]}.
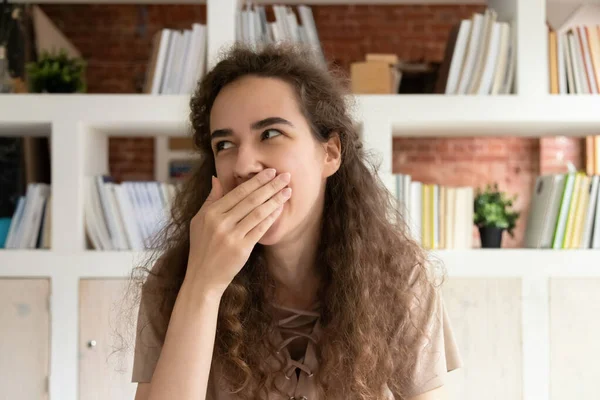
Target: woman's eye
{"type": "Point", "coordinates": [266, 135]}
{"type": "Point", "coordinates": [271, 131]}
{"type": "Point", "coordinates": [219, 145]}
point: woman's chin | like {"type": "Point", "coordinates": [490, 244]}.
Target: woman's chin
{"type": "Point", "coordinates": [273, 234]}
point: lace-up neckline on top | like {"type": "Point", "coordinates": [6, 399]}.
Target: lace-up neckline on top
{"type": "Point", "coordinates": [300, 328]}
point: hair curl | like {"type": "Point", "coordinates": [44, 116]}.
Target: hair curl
{"type": "Point", "coordinates": [368, 262]}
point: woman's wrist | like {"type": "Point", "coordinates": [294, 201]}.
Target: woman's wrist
{"type": "Point", "coordinates": [197, 293]}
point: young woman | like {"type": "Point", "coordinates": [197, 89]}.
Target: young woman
{"type": "Point", "coordinates": [286, 272]}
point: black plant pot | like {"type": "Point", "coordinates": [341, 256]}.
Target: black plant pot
{"type": "Point", "coordinates": [491, 237]}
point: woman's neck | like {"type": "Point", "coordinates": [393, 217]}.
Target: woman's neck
{"type": "Point", "coordinates": [293, 268]}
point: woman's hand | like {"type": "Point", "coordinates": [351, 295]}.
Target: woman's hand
{"type": "Point", "coordinates": [227, 227]}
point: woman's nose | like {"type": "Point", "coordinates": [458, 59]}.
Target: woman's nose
{"type": "Point", "coordinates": [248, 162]}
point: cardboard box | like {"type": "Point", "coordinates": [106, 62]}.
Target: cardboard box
{"type": "Point", "coordinates": [374, 77]}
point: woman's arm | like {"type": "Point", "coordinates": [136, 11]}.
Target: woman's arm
{"type": "Point", "coordinates": [435, 394]}
{"type": "Point", "coordinates": [184, 364]}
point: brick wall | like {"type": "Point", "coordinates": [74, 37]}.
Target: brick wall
{"type": "Point", "coordinates": [116, 42]}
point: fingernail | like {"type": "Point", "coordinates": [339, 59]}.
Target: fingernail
{"type": "Point", "coordinates": [270, 173]}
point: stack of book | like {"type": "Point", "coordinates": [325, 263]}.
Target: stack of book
{"type": "Point", "coordinates": [177, 61]}
{"type": "Point", "coordinates": [574, 58]}
{"type": "Point", "coordinates": [254, 29]}
{"type": "Point", "coordinates": [439, 217]}
{"type": "Point", "coordinates": [480, 57]}
{"type": "Point", "coordinates": [564, 212]}
{"type": "Point", "coordinates": [125, 216]}
{"type": "Point", "coordinates": [30, 225]}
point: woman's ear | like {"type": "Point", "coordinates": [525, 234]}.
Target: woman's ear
{"type": "Point", "coordinates": [333, 155]}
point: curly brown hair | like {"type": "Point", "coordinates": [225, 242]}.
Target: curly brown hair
{"type": "Point", "coordinates": [369, 264]}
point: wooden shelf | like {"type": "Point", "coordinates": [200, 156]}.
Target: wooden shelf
{"type": "Point", "coordinates": [517, 263]}
{"type": "Point", "coordinates": [407, 115]}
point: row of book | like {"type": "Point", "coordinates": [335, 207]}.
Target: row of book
{"type": "Point", "coordinates": [483, 56]}
{"type": "Point", "coordinates": [127, 215]}
{"type": "Point", "coordinates": [177, 61]}
{"type": "Point", "coordinates": [255, 29]}
{"type": "Point", "coordinates": [574, 58]}
{"type": "Point", "coordinates": [564, 212]}
{"type": "Point", "coordinates": [30, 225]}
{"type": "Point", "coordinates": [438, 216]}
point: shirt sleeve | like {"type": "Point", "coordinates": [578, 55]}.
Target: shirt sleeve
{"type": "Point", "coordinates": [148, 342]}
{"type": "Point", "coordinates": [436, 353]}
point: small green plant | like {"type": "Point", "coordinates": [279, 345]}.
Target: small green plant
{"type": "Point", "coordinates": [56, 73]}
{"type": "Point", "coordinates": [493, 208]}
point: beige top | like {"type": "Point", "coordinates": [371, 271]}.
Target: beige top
{"type": "Point", "coordinates": [433, 362]}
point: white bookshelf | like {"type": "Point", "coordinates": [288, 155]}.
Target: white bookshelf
{"type": "Point", "coordinates": [79, 126]}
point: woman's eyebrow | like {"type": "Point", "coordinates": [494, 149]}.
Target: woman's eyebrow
{"type": "Point", "coordinates": [263, 123]}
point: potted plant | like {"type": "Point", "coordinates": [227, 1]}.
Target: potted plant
{"type": "Point", "coordinates": [56, 73]}
{"type": "Point", "coordinates": [493, 215]}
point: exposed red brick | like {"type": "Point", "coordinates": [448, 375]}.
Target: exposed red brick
{"type": "Point", "coordinates": [116, 42]}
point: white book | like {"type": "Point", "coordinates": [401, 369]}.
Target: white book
{"type": "Point", "coordinates": [450, 217]}
{"type": "Point", "coordinates": [167, 83]}
{"type": "Point", "coordinates": [435, 204]}
{"type": "Point", "coordinates": [562, 73]}
{"type": "Point", "coordinates": [194, 65]}
{"type": "Point", "coordinates": [502, 60]}
{"type": "Point", "coordinates": [180, 85]}
{"type": "Point", "coordinates": [577, 60]}
{"type": "Point", "coordinates": [459, 216]}
{"type": "Point", "coordinates": [587, 60]}
{"type": "Point", "coordinates": [43, 191]}
{"type": "Point", "coordinates": [15, 222]}
{"type": "Point", "coordinates": [98, 214]}
{"type": "Point", "coordinates": [258, 28]}
{"type": "Point", "coordinates": [143, 211]}
{"type": "Point", "coordinates": [123, 243]}
{"type": "Point", "coordinates": [25, 224]}
{"type": "Point", "coordinates": [484, 46]}
{"type": "Point", "coordinates": [239, 37]}
{"type": "Point", "coordinates": [201, 56]}
{"type": "Point", "coordinates": [468, 206]}
{"type": "Point", "coordinates": [568, 61]}
{"type": "Point", "coordinates": [151, 215]}
{"type": "Point", "coordinates": [416, 210]}
{"type": "Point", "coordinates": [108, 216]}
{"type": "Point", "coordinates": [596, 233]}
{"type": "Point", "coordinates": [136, 205]}
{"type": "Point", "coordinates": [281, 22]}
{"type": "Point", "coordinates": [471, 55]}
{"type": "Point", "coordinates": [292, 23]}
{"type": "Point", "coordinates": [161, 61]}
{"type": "Point", "coordinates": [274, 28]}
{"type": "Point", "coordinates": [406, 181]}
{"type": "Point", "coordinates": [92, 225]}
{"type": "Point", "coordinates": [308, 22]}
{"type": "Point", "coordinates": [250, 28]}
{"type": "Point", "coordinates": [398, 182]}
{"type": "Point", "coordinates": [458, 56]}
{"type": "Point", "coordinates": [157, 204]}
{"type": "Point", "coordinates": [131, 228]}
{"type": "Point", "coordinates": [491, 61]}
{"type": "Point", "coordinates": [264, 24]}
{"type": "Point", "coordinates": [511, 64]}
